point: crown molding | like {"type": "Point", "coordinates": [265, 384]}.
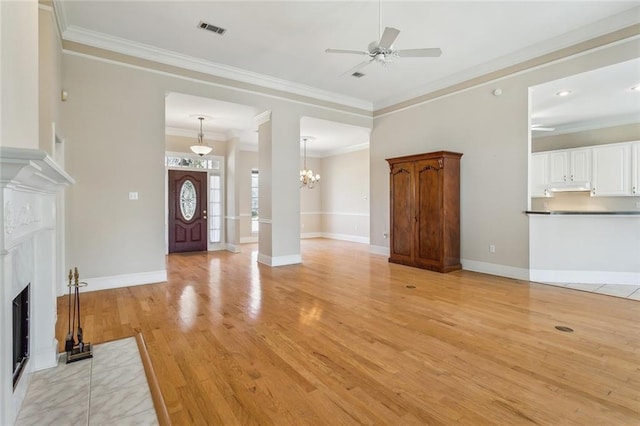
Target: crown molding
{"type": "Point", "coordinates": [190, 133]}
{"type": "Point", "coordinates": [263, 117]}
{"type": "Point", "coordinates": [346, 150]}
{"type": "Point", "coordinates": [116, 44]}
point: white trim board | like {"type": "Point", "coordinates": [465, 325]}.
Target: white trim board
{"type": "Point", "coordinates": [346, 237]}
{"type": "Point", "coordinates": [585, 277]}
{"type": "Point", "coordinates": [292, 259]}
{"type": "Point", "coordinates": [495, 269]}
{"type": "Point", "coordinates": [124, 280]}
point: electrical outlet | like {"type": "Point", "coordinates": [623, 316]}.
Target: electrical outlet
{"type": "Point", "coordinates": [492, 248]}
{"type": "Point", "coordinates": [385, 236]}
{"type": "Point", "coordinates": [133, 195]}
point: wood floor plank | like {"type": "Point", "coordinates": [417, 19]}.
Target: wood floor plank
{"type": "Point", "coordinates": [348, 338]}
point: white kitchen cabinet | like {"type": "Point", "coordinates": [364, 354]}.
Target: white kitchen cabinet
{"type": "Point", "coordinates": [539, 174]}
{"type": "Point", "coordinates": [635, 168]}
{"type": "Point", "coordinates": [611, 170]}
{"type": "Point", "coordinates": [570, 165]}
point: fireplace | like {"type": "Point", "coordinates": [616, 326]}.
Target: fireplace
{"type": "Point", "coordinates": [31, 269]}
{"type": "Point", "coordinates": [20, 333]}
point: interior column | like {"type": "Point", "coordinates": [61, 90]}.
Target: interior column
{"type": "Point", "coordinates": [279, 192]}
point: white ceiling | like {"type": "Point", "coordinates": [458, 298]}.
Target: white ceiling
{"type": "Point", "coordinates": [280, 44]}
{"type": "Point", "coordinates": [598, 98]}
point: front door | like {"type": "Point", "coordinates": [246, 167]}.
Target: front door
{"type": "Point", "coordinates": [187, 211]}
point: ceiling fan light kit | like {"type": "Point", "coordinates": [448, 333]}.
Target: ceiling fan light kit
{"type": "Point", "coordinates": [201, 148]}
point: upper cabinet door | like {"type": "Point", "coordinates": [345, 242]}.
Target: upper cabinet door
{"type": "Point", "coordinates": [539, 174]}
{"type": "Point", "coordinates": [558, 166]}
{"type": "Point", "coordinates": [611, 170]}
{"type": "Point", "coordinates": [580, 165]}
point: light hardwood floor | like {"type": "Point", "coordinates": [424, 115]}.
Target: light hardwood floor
{"type": "Point", "coordinates": [341, 339]}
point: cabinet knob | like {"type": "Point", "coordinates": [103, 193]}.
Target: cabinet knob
{"type": "Point", "coordinates": [571, 178]}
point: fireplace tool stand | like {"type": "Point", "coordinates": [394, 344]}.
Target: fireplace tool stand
{"type": "Point", "coordinates": [81, 350]}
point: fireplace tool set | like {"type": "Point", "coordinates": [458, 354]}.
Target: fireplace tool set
{"type": "Point", "coordinates": [81, 350]}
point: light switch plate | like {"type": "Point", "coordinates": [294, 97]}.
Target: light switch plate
{"type": "Point", "coordinates": [133, 195]}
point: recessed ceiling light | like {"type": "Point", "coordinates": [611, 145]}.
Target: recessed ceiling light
{"type": "Point", "coordinates": [563, 93]}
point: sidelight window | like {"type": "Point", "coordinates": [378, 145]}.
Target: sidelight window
{"type": "Point", "coordinates": [215, 208]}
{"type": "Point", "coordinates": [254, 202]}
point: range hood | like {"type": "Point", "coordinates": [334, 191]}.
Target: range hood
{"type": "Point", "coordinates": [572, 186]}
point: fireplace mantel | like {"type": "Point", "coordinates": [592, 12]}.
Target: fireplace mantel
{"type": "Point", "coordinates": [31, 252]}
{"type": "Point", "coordinates": [31, 168]}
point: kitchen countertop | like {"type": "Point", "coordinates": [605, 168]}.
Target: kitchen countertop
{"type": "Point", "coordinates": [583, 212]}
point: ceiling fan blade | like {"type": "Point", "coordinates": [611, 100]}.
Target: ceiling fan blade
{"type": "Point", "coordinates": [358, 67]}
{"type": "Point", "coordinates": [356, 52]}
{"type": "Point", "coordinates": [388, 37]}
{"type": "Point", "coordinates": [419, 53]}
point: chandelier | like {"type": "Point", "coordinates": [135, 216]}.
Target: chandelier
{"type": "Point", "coordinates": [201, 149]}
{"type": "Point", "coordinates": [307, 178]}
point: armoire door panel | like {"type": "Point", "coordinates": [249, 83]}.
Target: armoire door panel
{"type": "Point", "coordinates": [402, 212]}
{"type": "Point", "coordinates": [429, 208]}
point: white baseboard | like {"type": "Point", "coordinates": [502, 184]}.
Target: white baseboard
{"type": "Point", "coordinates": [125, 280]}
{"type": "Point", "coordinates": [312, 235]}
{"type": "Point", "coordinates": [495, 269]}
{"type": "Point", "coordinates": [381, 250]}
{"type": "Point", "coordinates": [585, 277]}
{"type": "Point", "coordinates": [280, 260]}
{"type": "Point", "coordinates": [346, 237]}
{"type": "Point", "coordinates": [233, 248]}
{"type": "Point", "coordinates": [246, 240]}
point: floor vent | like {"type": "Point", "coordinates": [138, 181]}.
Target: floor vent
{"type": "Point", "coordinates": [212, 28]}
{"type": "Point", "coordinates": [357, 74]}
{"type": "Point", "coordinates": [564, 329]}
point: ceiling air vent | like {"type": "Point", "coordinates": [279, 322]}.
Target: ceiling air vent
{"type": "Point", "coordinates": [357, 74]}
{"type": "Point", "coordinates": [211, 28]}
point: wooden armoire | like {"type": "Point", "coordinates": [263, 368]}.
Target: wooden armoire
{"type": "Point", "coordinates": [425, 210]}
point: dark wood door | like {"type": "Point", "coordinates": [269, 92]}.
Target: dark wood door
{"type": "Point", "coordinates": [187, 211]}
{"type": "Point", "coordinates": [402, 213]}
{"type": "Point", "coordinates": [429, 241]}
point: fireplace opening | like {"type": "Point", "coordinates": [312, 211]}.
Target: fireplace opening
{"type": "Point", "coordinates": [20, 333]}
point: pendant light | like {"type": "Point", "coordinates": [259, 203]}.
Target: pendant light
{"type": "Point", "coordinates": [307, 178]}
{"type": "Point", "coordinates": [201, 149]}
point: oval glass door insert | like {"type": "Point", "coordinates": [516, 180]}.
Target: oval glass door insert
{"type": "Point", "coordinates": [188, 200]}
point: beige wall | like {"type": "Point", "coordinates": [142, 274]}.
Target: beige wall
{"type": "Point", "coordinates": [248, 160]}
{"type": "Point", "coordinates": [311, 207]}
{"type": "Point", "coordinates": [50, 83]}
{"type": "Point", "coordinates": [345, 196]}
{"type": "Point", "coordinates": [19, 85]}
{"type": "Point", "coordinates": [115, 133]}
{"type": "Point", "coordinates": [492, 133]}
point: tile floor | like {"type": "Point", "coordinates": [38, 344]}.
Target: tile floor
{"type": "Point", "coordinates": [618, 290]}
{"type": "Point", "coordinates": [110, 388]}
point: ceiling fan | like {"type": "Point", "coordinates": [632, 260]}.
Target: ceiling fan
{"type": "Point", "coordinates": [382, 51]}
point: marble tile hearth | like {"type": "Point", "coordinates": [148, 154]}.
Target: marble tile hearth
{"type": "Point", "coordinates": [110, 388]}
